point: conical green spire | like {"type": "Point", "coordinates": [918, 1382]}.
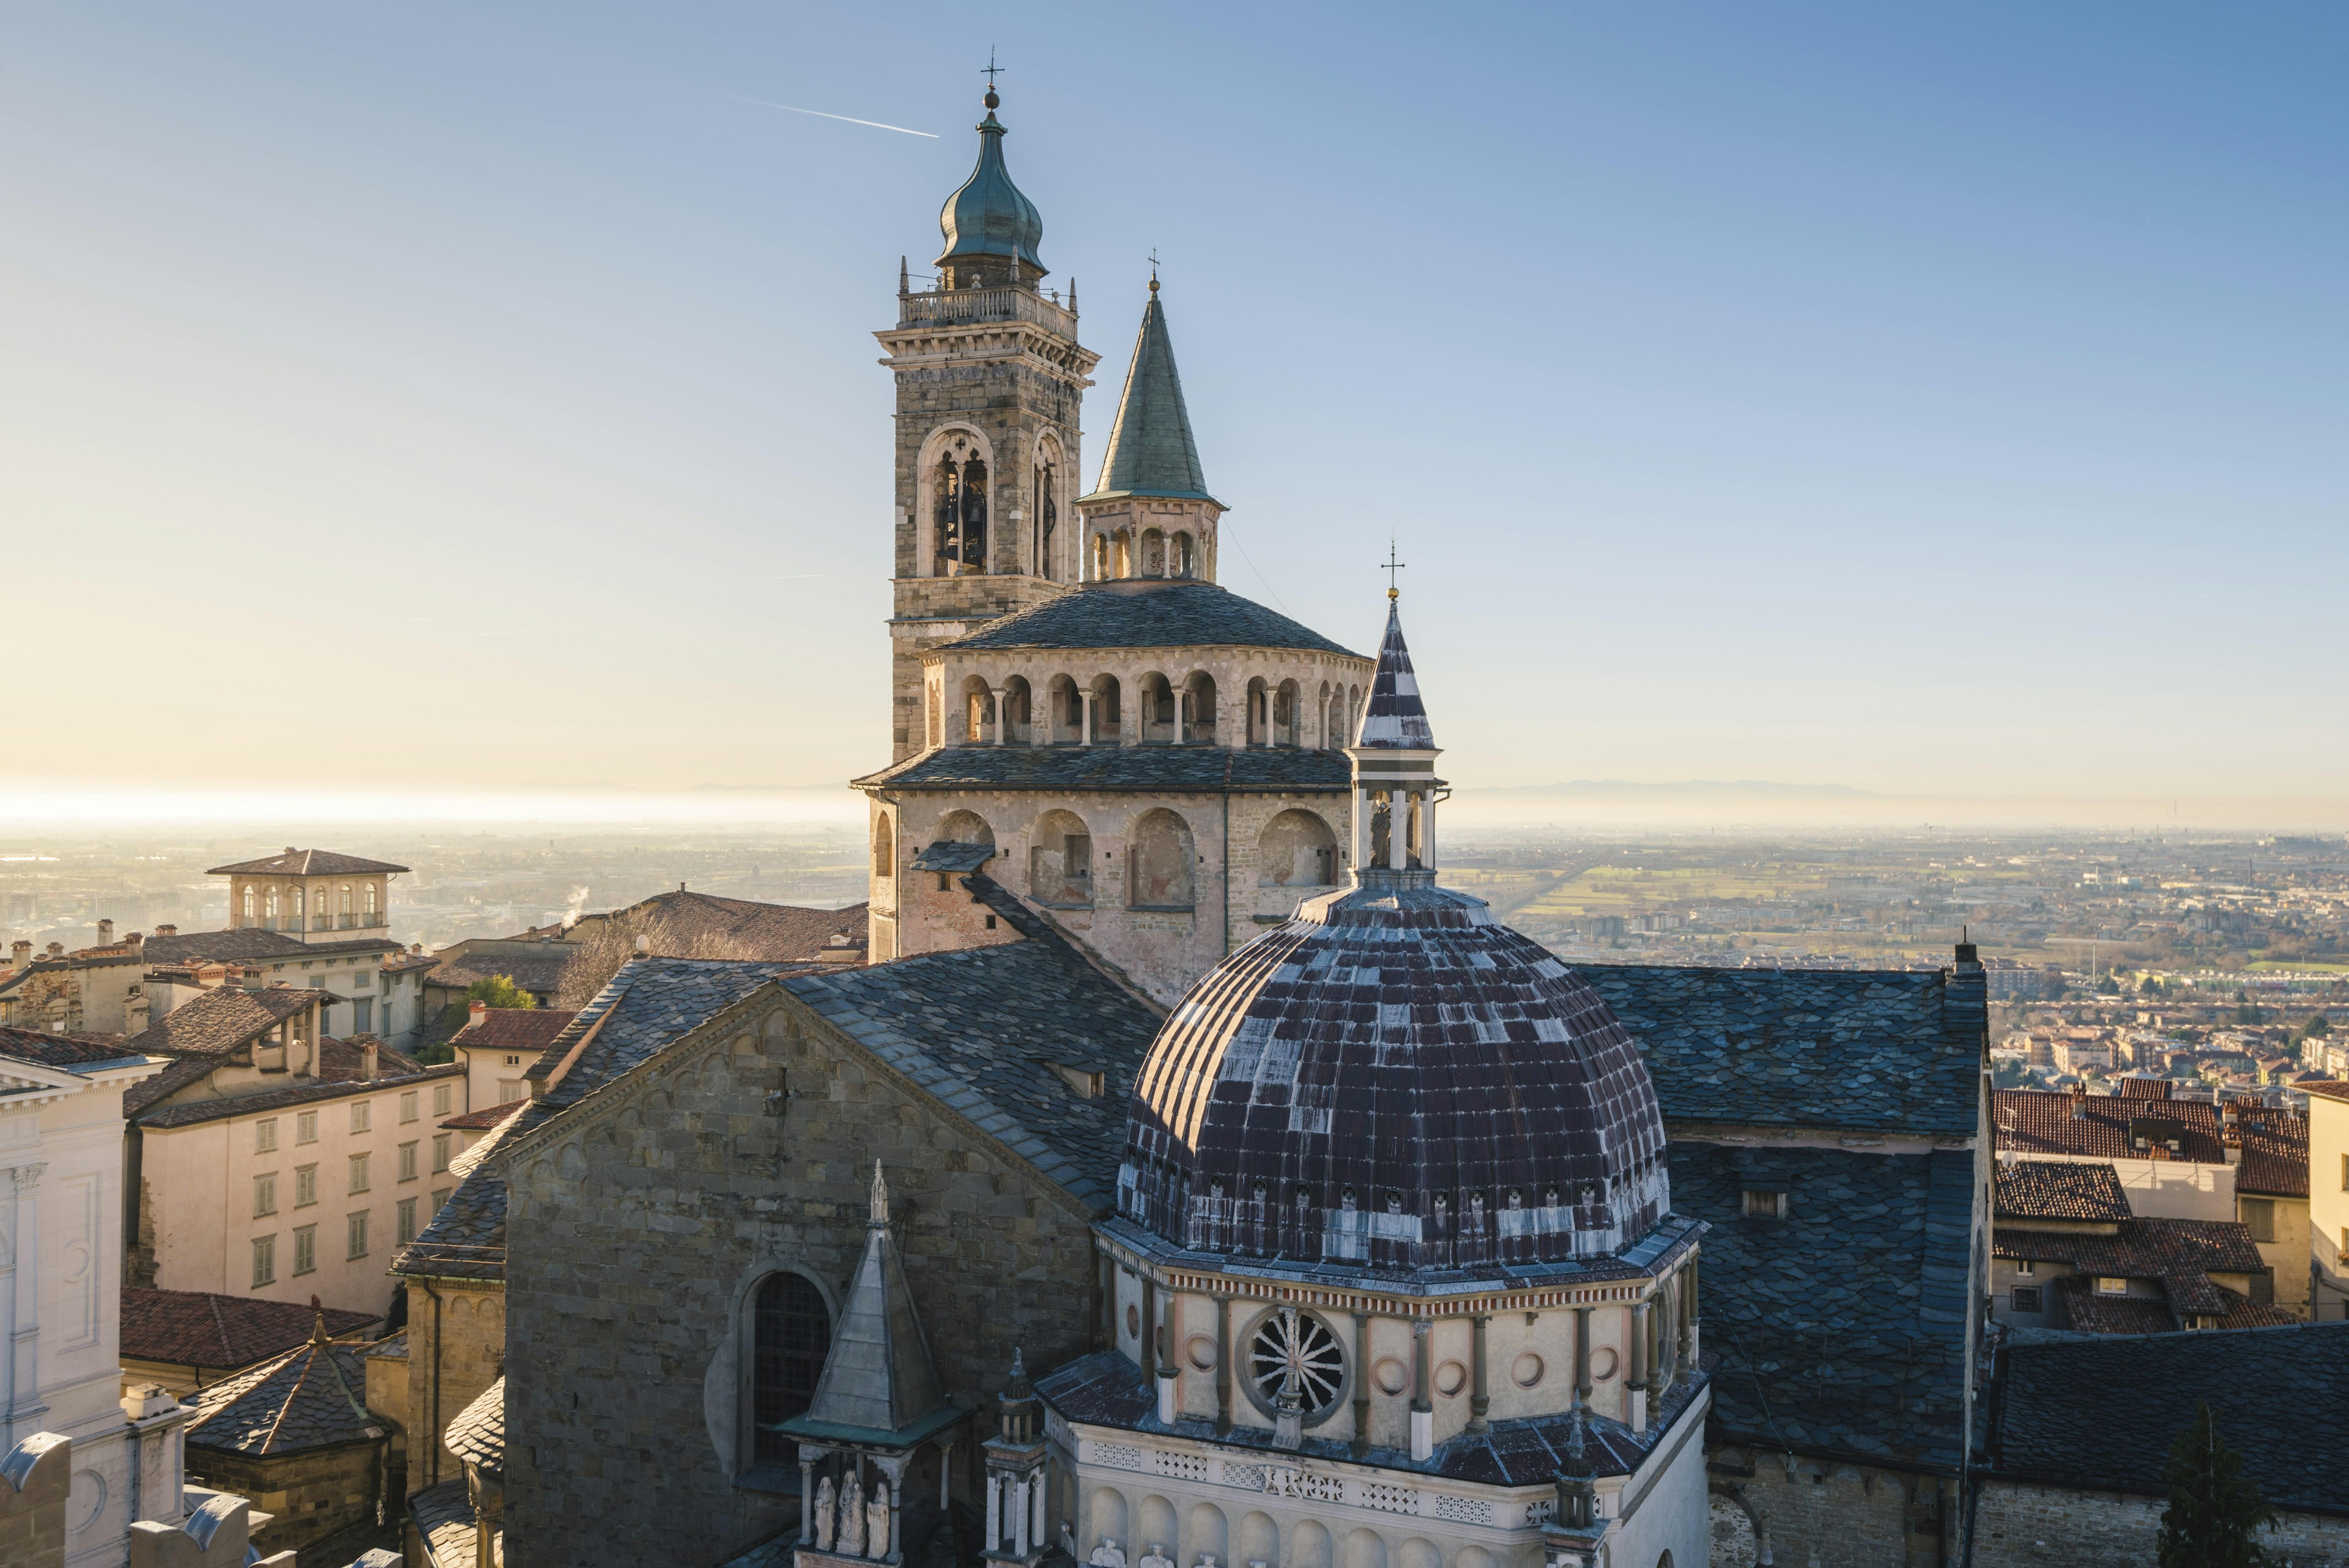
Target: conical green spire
{"type": "Point", "coordinates": [1151, 452]}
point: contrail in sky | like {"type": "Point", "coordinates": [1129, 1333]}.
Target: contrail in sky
{"type": "Point", "coordinates": [848, 117]}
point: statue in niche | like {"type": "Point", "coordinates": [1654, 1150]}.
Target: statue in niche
{"type": "Point", "coordinates": [824, 1516]}
{"type": "Point", "coordinates": [877, 1521]}
{"type": "Point", "coordinates": [1157, 1558]}
{"type": "Point", "coordinates": [1107, 1555]}
{"type": "Point", "coordinates": [852, 1516]}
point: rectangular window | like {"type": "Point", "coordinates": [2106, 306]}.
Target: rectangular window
{"type": "Point", "coordinates": [306, 1248]}
{"type": "Point", "coordinates": [2259, 1217]}
{"type": "Point", "coordinates": [2108, 1286]}
{"type": "Point", "coordinates": [264, 1194]}
{"type": "Point", "coordinates": [362, 981]}
{"type": "Point", "coordinates": [439, 1197]}
{"type": "Point", "coordinates": [1765, 1205]}
{"type": "Point", "coordinates": [2026, 1267]}
{"type": "Point", "coordinates": [265, 1135]}
{"type": "Point", "coordinates": [362, 1014]}
{"type": "Point", "coordinates": [359, 1239]}
{"type": "Point", "coordinates": [264, 1260]}
{"type": "Point", "coordinates": [408, 1162]}
{"type": "Point", "coordinates": [305, 1185]}
{"type": "Point", "coordinates": [511, 1089]}
{"type": "Point", "coordinates": [441, 1099]}
{"type": "Point", "coordinates": [407, 1217]}
{"type": "Point", "coordinates": [440, 1153]}
{"type": "Point", "coordinates": [2026, 1299]}
{"type": "Point", "coordinates": [407, 1105]}
{"type": "Point", "coordinates": [359, 1182]}
{"type": "Point", "coordinates": [360, 1109]}
{"type": "Point", "coordinates": [305, 1127]}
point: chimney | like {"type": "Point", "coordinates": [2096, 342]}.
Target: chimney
{"type": "Point", "coordinates": [20, 953]}
{"type": "Point", "coordinates": [291, 851]}
{"type": "Point", "coordinates": [368, 1060]}
{"type": "Point", "coordinates": [106, 934]}
{"type": "Point", "coordinates": [136, 941]}
{"type": "Point", "coordinates": [57, 949]}
{"type": "Point", "coordinates": [166, 930]}
{"type": "Point", "coordinates": [2079, 1102]}
{"type": "Point", "coordinates": [480, 1011]}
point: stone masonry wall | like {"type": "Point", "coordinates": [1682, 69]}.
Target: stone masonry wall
{"type": "Point", "coordinates": [1848, 1516]}
{"type": "Point", "coordinates": [2023, 1526]}
{"type": "Point", "coordinates": [309, 1495]}
{"type": "Point", "coordinates": [469, 1340]}
{"type": "Point", "coordinates": [638, 1242]}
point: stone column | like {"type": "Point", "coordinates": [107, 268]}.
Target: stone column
{"type": "Point", "coordinates": [1223, 1366]}
{"type": "Point", "coordinates": [1170, 1386]}
{"type": "Point", "coordinates": [1684, 1355]}
{"type": "Point", "coordinates": [1020, 1518]}
{"type": "Point", "coordinates": [1036, 1498]}
{"type": "Point", "coordinates": [1362, 1383]}
{"type": "Point", "coordinates": [896, 1470]}
{"type": "Point", "coordinates": [1582, 1358]}
{"type": "Point", "coordinates": [994, 1511]}
{"type": "Point", "coordinates": [25, 1408]}
{"type": "Point", "coordinates": [945, 1477]}
{"type": "Point", "coordinates": [807, 1496]}
{"type": "Point", "coordinates": [1085, 716]}
{"type": "Point", "coordinates": [995, 703]}
{"type": "Point", "coordinates": [1480, 1398]}
{"type": "Point", "coordinates": [1149, 1345]}
{"type": "Point", "coordinates": [1635, 1375]}
{"type": "Point", "coordinates": [1422, 1401]}
{"type": "Point", "coordinates": [1695, 1315]}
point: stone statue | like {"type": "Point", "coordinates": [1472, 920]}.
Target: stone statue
{"type": "Point", "coordinates": [825, 1517]}
{"type": "Point", "coordinates": [877, 1521]}
{"type": "Point", "coordinates": [1107, 1555]}
{"type": "Point", "coordinates": [852, 1516]}
{"type": "Point", "coordinates": [1157, 1558]}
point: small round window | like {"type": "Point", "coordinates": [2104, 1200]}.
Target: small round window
{"type": "Point", "coordinates": [1292, 1350]}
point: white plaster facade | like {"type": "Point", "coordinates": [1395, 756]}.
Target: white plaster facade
{"type": "Point", "coordinates": [60, 1302]}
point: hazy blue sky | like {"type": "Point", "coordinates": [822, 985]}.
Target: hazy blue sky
{"type": "Point", "coordinates": [1925, 400]}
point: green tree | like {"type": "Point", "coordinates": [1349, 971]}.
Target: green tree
{"type": "Point", "coordinates": [500, 991]}
{"type": "Point", "coordinates": [2214, 1509]}
{"type": "Point", "coordinates": [2316, 1028]}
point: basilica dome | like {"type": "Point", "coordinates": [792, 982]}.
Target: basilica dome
{"type": "Point", "coordinates": [1392, 1078]}
{"type": "Point", "coordinates": [988, 217]}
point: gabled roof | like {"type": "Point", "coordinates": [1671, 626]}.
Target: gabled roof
{"type": "Point", "coordinates": [684, 924]}
{"type": "Point", "coordinates": [222, 1019]}
{"type": "Point", "coordinates": [229, 1105]}
{"type": "Point", "coordinates": [202, 1328]}
{"type": "Point", "coordinates": [979, 1029]}
{"type": "Point", "coordinates": [246, 942]}
{"type": "Point", "coordinates": [1869, 1051]}
{"type": "Point", "coordinates": [2147, 1249]}
{"type": "Point", "coordinates": [1115, 770]}
{"type": "Point", "coordinates": [1129, 614]}
{"type": "Point", "coordinates": [72, 1052]}
{"type": "Point", "coordinates": [2058, 1189]}
{"type": "Point", "coordinates": [1871, 1262]}
{"type": "Point", "coordinates": [1151, 450]}
{"type": "Point", "coordinates": [304, 863]}
{"type": "Point", "coordinates": [478, 1435]}
{"type": "Point", "coordinates": [312, 1396]}
{"type": "Point", "coordinates": [2100, 1413]}
{"type": "Point", "coordinates": [529, 1029]}
{"type": "Point", "coordinates": [2274, 1146]}
{"type": "Point", "coordinates": [2038, 1121]}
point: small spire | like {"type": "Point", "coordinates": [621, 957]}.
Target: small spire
{"type": "Point", "coordinates": [317, 1321]}
{"type": "Point", "coordinates": [880, 1197]}
{"type": "Point", "coordinates": [904, 279]}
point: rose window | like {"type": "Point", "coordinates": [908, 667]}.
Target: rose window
{"type": "Point", "coordinates": [1296, 1351]}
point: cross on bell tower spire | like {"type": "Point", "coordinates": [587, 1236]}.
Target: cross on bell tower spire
{"type": "Point", "coordinates": [1392, 565]}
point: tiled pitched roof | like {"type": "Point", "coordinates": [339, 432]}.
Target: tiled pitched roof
{"type": "Point", "coordinates": [2148, 1249]}
{"type": "Point", "coordinates": [200, 1328]}
{"type": "Point", "coordinates": [1871, 1051]}
{"type": "Point", "coordinates": [651, 1001]}
{"type": "Point", "coordinates": [473, 1121]}
{"type": "Point", "coordinates": [478, 1435]}
{"type": "Point", "coordinates": [2038, 1121]}
{"type": "Point", "coordinates": [250, 942]}
{"type": "Point", "coordinates": [1134, 613]}
{"type": "Point", "coordinates": [685, 924]}
{"type": "Point", "coordinates": [527, 1029]}
{"type": "Point", "coordinates": [2089, 1313]}
{"type": "Point", "coordinates": [222, 1019]}
{"type": "Point", "coordinates": [72, 1052]}
{"type": "Point", "coordinates": [313, 1396]}
{"type": "Point", "coordinates": [176, 1076]}
{"type": "Point", "coordinates": [2100, 1413]}
{"type": "Point", "coordinates": [443, 1516]}
{"type": "Point", "coordinates": [540, 974]}
{"type": "Point", "coordinates": [304, 863]}
{"type": "Point", "coordinates": [1394, 718]}
{"type": "Point", "coordinates": [1150, 450]}
{"type": "Point", "coordinates": [2330, 1088]}
{"type": "Point", "coordinates": [1151, 770]}
{"type": "Point", "coordinates": [979, 1029]}
{"type": "Point", "coordinates": [2058, 1189]}
{"type": "Point", "coordinates": [296, 1095]}
{"type": "Point", "coordinates": [2274, 1153]}
{"type": "Point", "coordinates": [1842, 1328]}
{"type": "Point", "coordinates": [467, 1237]}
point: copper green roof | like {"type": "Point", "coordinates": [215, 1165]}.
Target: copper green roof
{"type": "Point", "coordinates": [987, 215]}
{"type": "Point", "coordinates": [1151, 452]}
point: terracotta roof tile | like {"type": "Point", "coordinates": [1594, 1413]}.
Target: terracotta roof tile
{"type": "Point", "coordinates": [306, 863]}
{"type": "Point", "coordinates": [529, 1029]}
{"type": "Point", "coordinates": [72, 1052]}
{"type": "Point", "coordinates": [2034, 1121]}
{"type": "Point", "coordinates": [482, 1120]}
{"type": "Point", "coordinates": [2059, 1189]}
{"type": "Point", "coordinates": [200, 1328]}
{"type": "Point", "coordinates": [222, 1019]}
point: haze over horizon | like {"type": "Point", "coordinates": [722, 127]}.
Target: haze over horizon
{"type": "Point", "coordinates": [423, 405]}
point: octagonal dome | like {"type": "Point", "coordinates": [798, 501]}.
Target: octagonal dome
{"type": "Point", "coordinates": [1395, 1079]}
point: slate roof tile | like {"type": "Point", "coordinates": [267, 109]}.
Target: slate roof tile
{"type": "Point", "coordinates": [297, 1094]}
{"type": "Point", "coordinates": [1157, 770]}
{"type": "Point", "coordinates": [2100, 1413]}
{"type": "Point", "coordinates": [1131, 613]}
{"type": "Point", "coordinates": [312, 1396]}
{"type": "Point", "coordinates": [72, 1052]}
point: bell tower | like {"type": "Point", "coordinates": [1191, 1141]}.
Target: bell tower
{"type": "Point", "coordinates": [990, 379]}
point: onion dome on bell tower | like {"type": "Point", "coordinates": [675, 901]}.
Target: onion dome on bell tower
{"type": "Point", "coordinates": [991, 229]}
{"type": "Point", "coordinates": [1393, 1079]}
